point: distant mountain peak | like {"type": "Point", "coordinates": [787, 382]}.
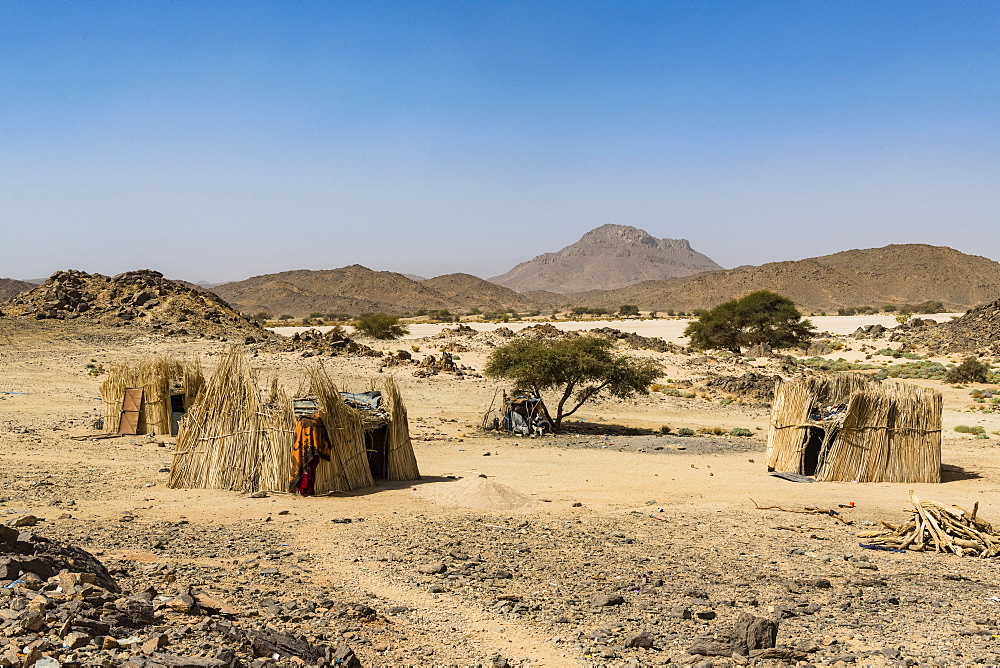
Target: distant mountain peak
{"type": "Point", "coordinates": [613, 234]}
{"type": "Point", "coordinates": [605, 258]}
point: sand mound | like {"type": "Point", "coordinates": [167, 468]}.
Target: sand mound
{"type": "Point", "coordinates": [479, 493]}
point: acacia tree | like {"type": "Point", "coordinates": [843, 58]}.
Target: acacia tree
{"type": "Point", "coordinates": [380, 326]}
{"type": "Point", "coordinates": [762, 317]}
{"type": "Point", "coordinates": [577, 369]}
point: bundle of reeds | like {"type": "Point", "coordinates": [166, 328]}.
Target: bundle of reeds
{"type": "Point", "coordinates": [232, 437]}
{"type": "Point", "coordinates": [786, 433]}
{"type": "Point", "coordinates": [402, 460]}
{"type": "Point", "coordinates": [348, 467]}
{"type": "Point", "coordinates": [939, 528]}
{"type": "Point", "coordinates": [159, 377]}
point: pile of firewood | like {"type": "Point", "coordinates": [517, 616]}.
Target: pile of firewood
{"type": "Point", "coordinates": [940, 528]}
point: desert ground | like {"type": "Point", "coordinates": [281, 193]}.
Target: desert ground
{"type": "Point", "coordinates": [534, 538]}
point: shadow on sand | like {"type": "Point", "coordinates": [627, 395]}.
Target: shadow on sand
{"type": "Point", "coordinates": [383, 485]}
{"type": "Point", "coordinates": [952, 473]}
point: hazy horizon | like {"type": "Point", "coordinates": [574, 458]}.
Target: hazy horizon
{"type": "Point", "coordinates": [407, 273]}
{"type": "Point", "coordinates": [217, 141]}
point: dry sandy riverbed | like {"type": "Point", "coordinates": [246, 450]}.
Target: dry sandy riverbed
{"type": "Point", "coordinates": [668, 329]}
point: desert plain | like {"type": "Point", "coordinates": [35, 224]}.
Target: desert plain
{"type": "Point", "coordinates": [610, 544]}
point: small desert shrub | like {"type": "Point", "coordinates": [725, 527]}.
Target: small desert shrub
{"type": "Point", "coordinates": [980, 436]}
{"type": "Point", "coordinates": [665, 429]}
{"type": "Point", "coordinates": [685, 431]}
{"type": "Point", "coordinates": [923, 369]}
{"type": "Point", "coordinates": [970, 370]}
{"type": "Point", "coordinates": [714, 431]}
{"type": "Point", "coordinates": [415, 348]}
{"type": "Point", "coordinates": [725, 401]}
{"type": "Point", "coordinates": [966, 429]}
{"type": "Point", "coordinates": [656, 387]}
{"type": "Point", "coordinates": [740, 431]}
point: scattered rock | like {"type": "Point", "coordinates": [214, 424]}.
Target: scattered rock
{"type": "Point", "coordinates": [606, 600]}
{"type": "Point", "coordinates": [432, 568]}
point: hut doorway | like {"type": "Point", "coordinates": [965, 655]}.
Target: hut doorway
{"type": "Point", "coordinates": [177, 411]}
{"type": "Point", "coordinates": [814, 445]}
{"type": "Point", "coordinates": [377, 448]}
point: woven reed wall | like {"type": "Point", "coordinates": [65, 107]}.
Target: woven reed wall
{"type": "Point", "coordinates": [892, 433]}
{"type": "Point", "coordinates": [402, 460]}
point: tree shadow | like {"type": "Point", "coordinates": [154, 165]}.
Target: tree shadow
{"type": "Point", "coordinates": [603, 429]}
{"type": "Point", "coordinates": [953, 473]}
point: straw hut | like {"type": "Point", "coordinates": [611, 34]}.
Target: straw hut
{"type": "Point", "coordinates": [149, 396]}
{"type": "Point", "coordinates": [850, 427]}
{"type": "Point", "coordinates": [241, 437]}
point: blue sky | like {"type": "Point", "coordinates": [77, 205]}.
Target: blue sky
{"type": "Point", "coordinates": [218, 140]}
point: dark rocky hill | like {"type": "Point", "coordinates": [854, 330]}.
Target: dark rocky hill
{"type": "Point", "coordinates": [978, 331]}
{"type": "Point", "coordinates": [355, 290]}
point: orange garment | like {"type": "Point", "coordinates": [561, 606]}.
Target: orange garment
{"type": "Point", "coordinates": [311, 445]}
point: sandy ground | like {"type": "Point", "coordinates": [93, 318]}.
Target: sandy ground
{"type": "Point", "coordinates": [568, 517]}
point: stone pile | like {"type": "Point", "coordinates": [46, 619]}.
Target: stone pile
{"type": "Point", "coordinates": [431, 365]}
{"type": "Point", "coordinates": [59, 602]}
{"type": "Point", "coordinates": [141, 298]}
{"type": "Point", "coordinates": [978, 331]}
{"type": "Point", "coordinates": [757, 387]}
{"type": "Point", "coordinates": [637, 341]}
{"type": "Point", "coordinates": [334, 342]}
{"type": "Point", "coordinates": [874, 331]}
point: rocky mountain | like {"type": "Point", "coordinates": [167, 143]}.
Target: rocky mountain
{"type": "Point", "coordinates": [10, 287]}
{"type": "Point", "coordinates": [356, 289]}
{"type": "Point", "coordinates": [895, 274]}
{"type": "Point", "coordinates": [141, 298]}
{"type": "Point", "coordinates": [606, 258]}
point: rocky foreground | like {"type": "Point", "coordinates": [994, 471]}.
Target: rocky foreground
{"type": "Point", "coordinates": [647, 587]}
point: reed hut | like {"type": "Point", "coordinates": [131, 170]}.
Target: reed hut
{"type": "Point", "coordinates": [247, 436]}
{"type": "Point", "coordinates": [149, 396]}
{"type": "Point", "coordinates": [851, 427]}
